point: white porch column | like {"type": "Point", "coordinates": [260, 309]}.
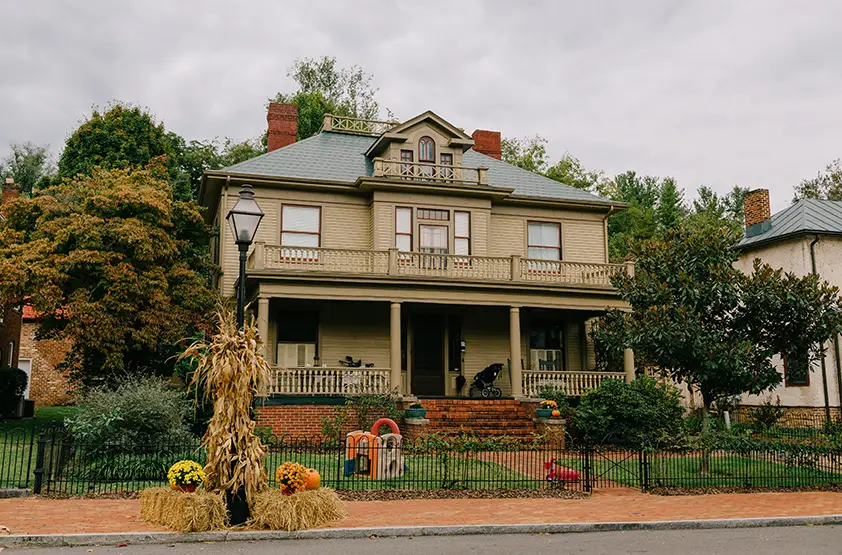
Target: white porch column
{"type": "Point", "coordinates": [514, 351]}
{"type": "Point", "coordinates": [263, 325]}
{"type": "Point", "coordinates": [395, 344]}
{"type": "Point", "coordinates": [628, 364]}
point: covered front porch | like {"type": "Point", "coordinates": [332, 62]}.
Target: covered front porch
{"type": "Point", "coordinates": [353, 347]}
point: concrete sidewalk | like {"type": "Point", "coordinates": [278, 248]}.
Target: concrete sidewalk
{"type": "Point", "coordinates": [75, 516]}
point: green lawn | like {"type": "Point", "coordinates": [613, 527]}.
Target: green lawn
{"type": "Point", "coordinates": [726, 470]}
{"type": "Point", "coordinates": [17, 451]}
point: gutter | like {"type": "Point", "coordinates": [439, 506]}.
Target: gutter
{"type": "Point", "coordinates": [824, 366]}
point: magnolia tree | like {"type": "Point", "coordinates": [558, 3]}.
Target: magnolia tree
{"type": "Point", "coordinates": [713, 327]}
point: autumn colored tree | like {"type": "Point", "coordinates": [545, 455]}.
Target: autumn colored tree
{"type": "Point", "coordinates": [110, 261]}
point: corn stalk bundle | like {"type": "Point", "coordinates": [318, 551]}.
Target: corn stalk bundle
{"type": "Point", "coordinates": [231, 371]}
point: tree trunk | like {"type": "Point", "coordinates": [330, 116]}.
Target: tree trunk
{"type": "Point", "coordinates": [705, 466]}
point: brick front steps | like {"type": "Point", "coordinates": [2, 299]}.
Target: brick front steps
{"type": "Point", "coordinates": [483, 417]}
{"type": "Point", "coordinates": [492, 417]}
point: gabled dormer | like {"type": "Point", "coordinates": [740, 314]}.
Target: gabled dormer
{"type": "Point", "coordinates": [426, 147]}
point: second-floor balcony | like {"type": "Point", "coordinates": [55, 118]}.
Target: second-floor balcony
{"type": "Point", "coordinates": [426, 265]}
{"type": "Point", "coordinates": [427, 171]}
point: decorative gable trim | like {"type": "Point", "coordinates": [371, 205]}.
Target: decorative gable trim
{"type": "Point", "coordinates": [458, 138]}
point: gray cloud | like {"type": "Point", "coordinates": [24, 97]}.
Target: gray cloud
{"type": "Point", "coordinates": [715, 92]}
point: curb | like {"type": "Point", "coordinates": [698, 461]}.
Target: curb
{"type": "Point", "coordinates": [148, 538]}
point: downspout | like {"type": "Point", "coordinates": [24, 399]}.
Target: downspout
{"type": "Point", "coordinates": [838, 372]}
{"type": "Point", "coordinates": [824, 366]}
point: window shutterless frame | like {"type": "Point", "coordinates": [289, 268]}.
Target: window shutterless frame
{"type": "Point", "coordinates": [530, 245]}
{"type": "Point", "coordinates": [463, 236]}
{"type": "Point", "coordinates": [789, 382]}
{"type": "Point", "coordinates": [408, 211]}
{"type": "Point", "coordinates": [300, 252]}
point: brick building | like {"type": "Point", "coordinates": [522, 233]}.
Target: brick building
{"type": "Point", "coordinates": [10, 317]}
{"type": "Point", "coordinates": [47, 385]}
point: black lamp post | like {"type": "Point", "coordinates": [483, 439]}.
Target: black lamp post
{"type": "Point", "coordinates": [244, 218]}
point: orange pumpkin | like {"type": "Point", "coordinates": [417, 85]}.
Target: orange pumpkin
{"type": "Point", "coordinates": [312, 479]}
{"type": "Point", "coordinates": [556, 413]}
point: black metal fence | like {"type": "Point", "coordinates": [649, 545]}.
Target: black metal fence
{"type": "Point", "coordinates": [52, 463]}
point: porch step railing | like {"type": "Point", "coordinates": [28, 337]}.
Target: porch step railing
{"type": "Point", "coordinates": [329, 381]}
{"type": "Point", "coordinates": [573, 384]}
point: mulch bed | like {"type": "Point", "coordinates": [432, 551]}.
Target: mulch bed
{"type": "Point", "coordinates": [392, 495]}
{"type": "Point", "coordinates": [714, 491]}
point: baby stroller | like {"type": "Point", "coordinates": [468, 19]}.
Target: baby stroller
{"type": "Point", "coordinates": [484, 382]}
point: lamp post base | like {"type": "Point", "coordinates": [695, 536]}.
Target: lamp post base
{"type": "Point", "coordinates": [238, 509]}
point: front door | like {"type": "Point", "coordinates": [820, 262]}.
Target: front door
{"type": "Point", "coordinates": [427, 355]}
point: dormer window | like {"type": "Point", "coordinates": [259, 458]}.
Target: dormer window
{"type": "Point", "coordinates": [427, 150]}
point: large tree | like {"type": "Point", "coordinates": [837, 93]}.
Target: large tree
{"type": "Point", "coordinates": [713, 327]}
{"type": "Point", "coordinates": [110, 261]}
{"type": "Point", "coordinates": [324, 87]}
{"type": "Point", "coordinates": [530, 154]}
{"type": "Point", "coordinates": [122, 136]}
{"type": "Point", "coordinates": [30, 165]}
{"type": "Point", "coordinates": [826, 184]}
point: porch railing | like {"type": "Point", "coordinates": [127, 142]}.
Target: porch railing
{"type": "Point", "coordinates": [454, 267]}
{"type": "Point", "coordinates": [573, 384]}
{"type": "Point", "coordinates": [428, 171]}
{"type": "Point", "coordinates": [329, 381]}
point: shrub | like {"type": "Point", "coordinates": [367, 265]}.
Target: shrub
{"type": "Point", "coordinates": [766, 415]}
{"type": "Point", "coordinates": [372, 407]}
{"type": "Point", "coordinates": [12, 385]}
{"type": "Point", "coordinates": [141, 415]}
{"type": "Point", "coordinates": [643, 412]}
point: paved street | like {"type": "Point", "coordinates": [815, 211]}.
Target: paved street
{"type": "Point", "coordinates": [815, 540]}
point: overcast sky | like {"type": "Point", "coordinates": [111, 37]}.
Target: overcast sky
{"type": "Point", "coordinates": [711, 92]}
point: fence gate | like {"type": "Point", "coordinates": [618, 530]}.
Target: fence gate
{"type": "Point", "coordinates": [609, 466]}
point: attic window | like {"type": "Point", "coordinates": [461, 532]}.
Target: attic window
{"type": "Point", "coordinates": [426, 150]}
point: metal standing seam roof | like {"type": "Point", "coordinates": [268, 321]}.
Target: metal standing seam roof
{"type": "Point", "coordinates": [333, 156]}
{"type": "Point", "coordinates": [805, 216]}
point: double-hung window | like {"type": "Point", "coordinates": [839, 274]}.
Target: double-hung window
{"type": "Point", "coordinates": [462, 233]}
{"type": "Point", "coordinates": [407, 167]}
{"type": "Point", "coordinates": [300, 227]}
{"type": "Point", "coordinates": [544, 243]}
{"type": "Point", "coordinates": [403, 229]}
{"type": "Point", "coordinates": [447, 166]}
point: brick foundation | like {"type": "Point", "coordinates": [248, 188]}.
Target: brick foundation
{"type": "Point", "coordinates": [795, 417]}
{"type": "Point", "coordinates": [301, 420]}
{"type": "Point", "coordinates": [48, 386]}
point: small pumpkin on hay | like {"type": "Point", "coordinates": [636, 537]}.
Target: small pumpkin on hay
{"type": "Point", "coordinates": [186, 476]}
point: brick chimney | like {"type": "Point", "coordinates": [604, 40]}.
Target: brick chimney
{"type": "Point", "coordinates": [283, 125]}
{"type": "Point", "coordinates": [10, 191]}
{"type": "Point", "coordinates": [756, 207]}
{"type": "Point", "coordinates": [488, 143]}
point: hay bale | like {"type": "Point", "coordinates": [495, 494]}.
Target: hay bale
{"type": "Point", "coordinates": [299, 511]}
{"type": "Point", "coordinates": [184, 512]}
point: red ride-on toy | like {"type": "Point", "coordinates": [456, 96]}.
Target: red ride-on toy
{"type": "Point", "coordinates": [560, 475]}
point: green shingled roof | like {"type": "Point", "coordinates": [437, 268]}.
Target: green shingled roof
{"type": "Point", "coordinates": [332, 156]}
{"type": "Point", "coordinates": [804, 217]}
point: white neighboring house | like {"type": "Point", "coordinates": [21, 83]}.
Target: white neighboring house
{"type": "Point", "coordinates": [803, 238]}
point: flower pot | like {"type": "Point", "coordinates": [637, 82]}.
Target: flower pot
{"type": "Point", "coordinates": [188, 488]}
{"type": "Point", "coordinates": [416, 413]}
{"type": "Point", "coordinates": [544, 413]}
{"type": "Point", "coordinates": [287, 491]}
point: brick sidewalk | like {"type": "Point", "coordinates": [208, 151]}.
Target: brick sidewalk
{"type": "Point", "coordinates": [49, 516]}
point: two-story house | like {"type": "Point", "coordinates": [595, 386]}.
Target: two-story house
{"type": "Point", "coordinates": [804, 238]}
{"type": "Point", "coordinates": [413, 249]}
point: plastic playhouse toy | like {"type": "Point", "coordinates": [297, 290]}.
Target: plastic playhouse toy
{"type": "Point", "coordinates": [372, 456]}
{"type": "Point", "coordinates": [558, 474]}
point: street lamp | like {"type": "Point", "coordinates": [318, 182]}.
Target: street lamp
{"type": "Point", "coordinates": [244, 217]}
